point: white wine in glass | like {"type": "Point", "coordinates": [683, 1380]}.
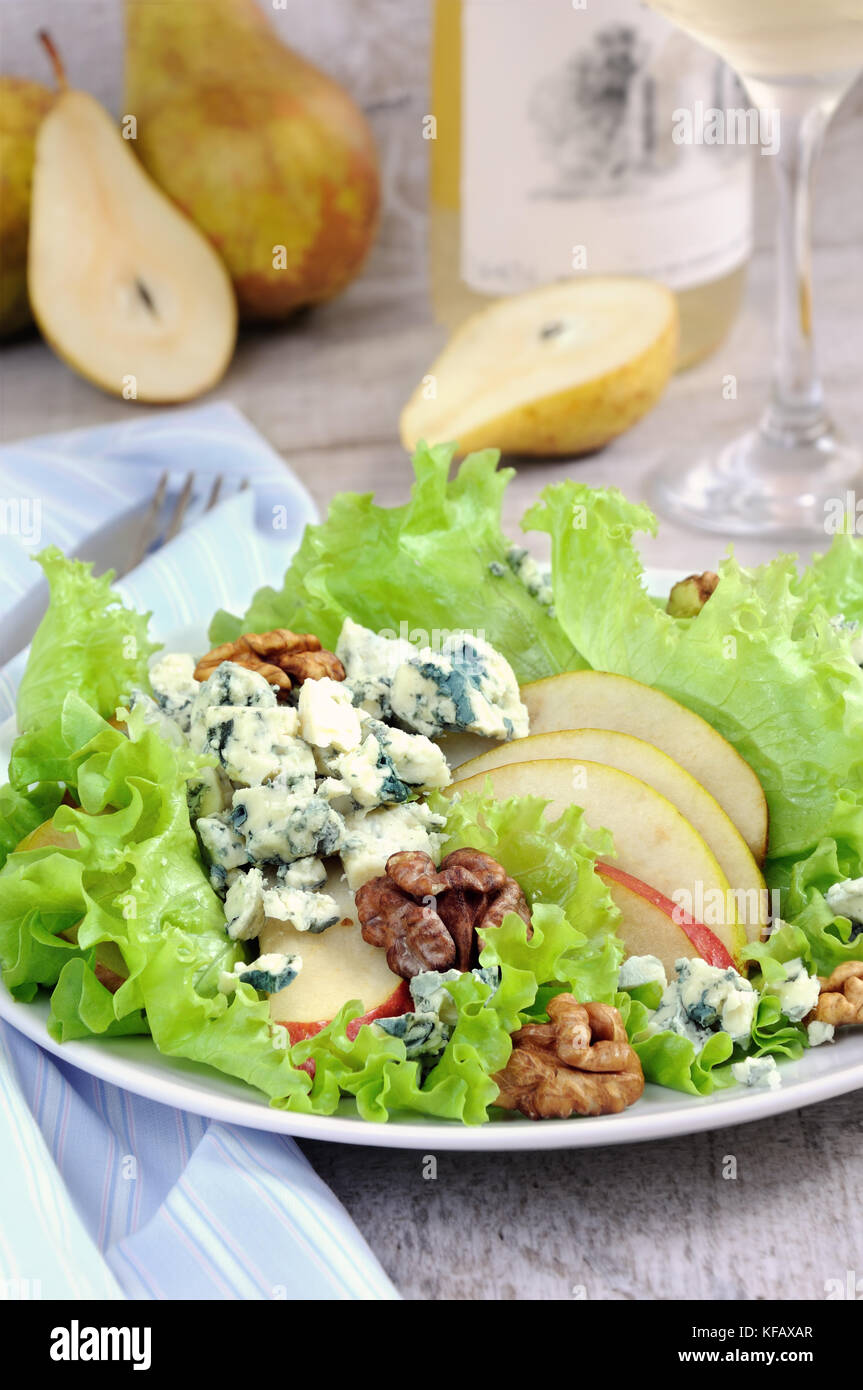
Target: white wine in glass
{"type": "Point", "coordinates": [796, 58]}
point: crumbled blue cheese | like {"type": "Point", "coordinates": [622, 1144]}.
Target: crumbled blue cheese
{"type": "Point", "coordinates": [229, 684]}
{"type": "Point", "coordinates": [154, 717]}
{"type": "Point", "coordinates": [257, 745]}
{"type": "Point", "coordinates": [818, 1032]}
{"type": "Point", "coordinates": [845, 899]}
{"type": "Point", "coordinates": [370, 662]}
{"type": "Point", "coordinates": [416, 760]}
{"type": "Point", "coordinates": [368, 775]}
{"type": "Point", "coordinates": [311, 912]}
{"type": "Point", "coordinates": [797, 992]}
{"type": "Point", "coordinates": [704, 999]}
{"type": "Point", "coordinates": [760, 1072]}
{"type": "Point", "coordinates": [278, 825]}
{"type": "Point", "coordinates": [209, 792]}
{"type": "Point", "coordinates": [222, 845]}
{"type": "Point", "coordinates": [641, 970]}
{"type": "Point", "coordinates": [308, 874]}
{"type": "Point", "coordinates": [372, 836]}
{"type": "Point", "coordinates": [172, 679]}
{"type": "Point", "coordinates": [328, 718]}
{"type": "Point", "coordinates": [244, 906]}
{"type": "Point", "coordinates": [535, 579]}
{"type": "Point", "coordinates": [466, 687]}
{"type": "Point", "coordinates": [428, 1028]}
{"type": "Point", "coordinates": [268, 974]}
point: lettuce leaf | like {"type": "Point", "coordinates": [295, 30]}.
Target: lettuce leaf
{"type": "Point", "coordinates": [435, 564]}
{"type": "Point", "coordinates": [761, 662]}
{"type": "Point", "coordinates": [88, 641]}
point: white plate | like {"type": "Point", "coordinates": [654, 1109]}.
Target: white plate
{"type": "Point", "coordinates": [135, 1064]}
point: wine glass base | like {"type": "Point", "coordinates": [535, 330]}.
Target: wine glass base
{"type": "Point", "coordinates": [757, 487]}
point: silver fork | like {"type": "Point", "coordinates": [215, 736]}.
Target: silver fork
{"type": "Point", "coordinates": [149, 535]}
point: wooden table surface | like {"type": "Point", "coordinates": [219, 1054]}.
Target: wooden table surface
{"type": "Point", "coordinates": [650, 1221]}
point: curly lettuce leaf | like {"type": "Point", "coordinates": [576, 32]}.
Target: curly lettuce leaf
{"type": "Point", "coordinates": [761, 662]}
{"type": "Point", "coordinates": [88, 641]}
{"type": "Point", "coordinates": [435, 564]}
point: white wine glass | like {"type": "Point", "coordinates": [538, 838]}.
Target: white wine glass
{"type": "Point", "coordinates": [796, 58]}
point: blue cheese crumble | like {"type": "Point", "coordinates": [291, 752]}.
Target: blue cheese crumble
{"type": "Point", "coordinates": [304, 911]}
{"type": "Point", "coordinates": [845, 899]}
{"type": "Point", "coordinates": [466, 687]}
{"type": "Point", "coordinates": [818, 1032]}
{"type": "Point", "coordinates": [277, 825]}
{"type": "Point", "coordinates": [535, 579]}
{"type": "Point", "coordinates": [172, 680]}
{"type": "Point", "coordinates": [328, 718]}
{"type": "Point", "coordinates": [244, 906]}
{"type": "Point", "coordinates": [256, 745]}
{"type": "Point", "coordinates": [757, 1072]}
{"type": "Point", "coordinates": [370, 662]}
{"type": "Point", "coordinates": [372, 836]}
{"type": "Point", "coordinates": [209, 792]}
{"type": "Point", "coordinates": [229, 684]}
{"type": "Point", "coordinates": [705, 999]}
{"type": "Point", "coordinates": [428, 1028]}
{"type": "Point", "coordinates": [797, 992]}
{"type": "Point", "coordinates": [223, 847]}
{"type": "Point", "coordinates": [641, 970]}
{"type": "Point", "coordinates": [268, 974]}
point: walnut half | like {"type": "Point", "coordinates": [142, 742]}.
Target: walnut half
{"type": "Point", "coordinates": [580, 1063]}
{"type": "Point", "coordinates": [841, 998]}
{"type": "Point", "coordinates": [428, 918]}
{"type": "Point", "coordinates": [282, 657]}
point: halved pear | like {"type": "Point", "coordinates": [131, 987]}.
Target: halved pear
{"type": "Point", "coordinates": [653, 842]}
{"type": "Point", "coordinates": [643, 760]}
{"type": "Point", "coordinates": [558, 370]}
{"type": "Point", "coordinates": [603, 700]}
{"type": "Point", "coordinates": [124, 288]}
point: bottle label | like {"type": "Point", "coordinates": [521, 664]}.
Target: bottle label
{"type": "Point", "coordinates": [569, 162]}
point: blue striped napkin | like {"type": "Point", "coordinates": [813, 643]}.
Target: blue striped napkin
{"type": "Point", "coordinates": [106, 1195]}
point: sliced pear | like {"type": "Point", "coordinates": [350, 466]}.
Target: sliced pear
{"type": "Point", "coordinates": [648, 926]}
{"type": "Point", "coordinates": [338, 965]}
{"type": "Point", "coordinates": [653, 841]}
{"type": "Point", "coordinates": [558, 370]}
{"type": "Point", "coordinates": [603, 700]}
{"type": "Point", "coordinates": [124, 288]}
{"type": "Point", "coordinates": [643, 760]}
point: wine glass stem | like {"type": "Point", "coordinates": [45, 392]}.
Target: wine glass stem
{"type": "Point", "coordinates": [795, 413]}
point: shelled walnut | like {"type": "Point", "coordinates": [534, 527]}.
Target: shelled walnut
{"type": "Point", "coordinates": [579, 1063]}
{"type": "Point", "coordinates": [841, 998]}
{"type": "Point", "coordinates": [428, 918]}
{"type": "Point", "coordinates": [282, 657]}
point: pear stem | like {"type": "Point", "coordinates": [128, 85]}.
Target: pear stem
{"type": "Point", "coordinates": [56, 61]}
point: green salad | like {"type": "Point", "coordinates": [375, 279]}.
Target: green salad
{"type": "Point", "coordinates": [433, 829]}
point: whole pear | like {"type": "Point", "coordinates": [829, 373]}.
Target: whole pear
{"type": "Point", "coordinates": [22, 106]}
{"type": "Point", "coordinates": [268, 156]}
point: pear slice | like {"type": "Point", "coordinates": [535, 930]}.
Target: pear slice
{"type": "Point", "coordinates": [338, 965]}
{"type": "Point", "coordinates": [653, 842]}
{"type": "Point", "coordinates": [604, 700]}
{"type": "Point", "coordinates": [658, 770]}
{"type": "Point", "coordinates": [124, 288]}
{"type": "Point", "coordinates": [559, 370]}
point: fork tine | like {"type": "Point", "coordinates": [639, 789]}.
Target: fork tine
{"type": "Point", "coordinates": [180, 509]}
{"type": "Point", "coordinates": [215, 492]}
{"type": "Point", "coordinates": [150, 524]}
